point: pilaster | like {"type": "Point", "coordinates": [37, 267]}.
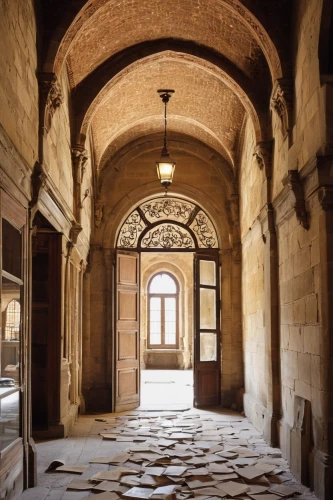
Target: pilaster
{"type": "Point", "coordinates": [272, 344]}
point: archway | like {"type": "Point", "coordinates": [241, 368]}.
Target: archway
{"type": "Point", "coordinates": [166, 226]}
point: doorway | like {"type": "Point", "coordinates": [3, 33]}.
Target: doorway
{"type": "Point", "coordinates": [45, 327]}
{"type": "Point", "coordinates": [166, 340]}
{"type": "Point", "coordinates": [175, 325]}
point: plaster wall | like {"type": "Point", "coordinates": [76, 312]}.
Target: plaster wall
{"type": "Point", "coordinates": [18, 82]}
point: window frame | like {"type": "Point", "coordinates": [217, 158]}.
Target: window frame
{"type": "Point", "coordinates": [14, 313]}
{"type": "Point", "coordinates": [163, 296]}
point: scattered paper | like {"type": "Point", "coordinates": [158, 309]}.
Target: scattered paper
{"type": "Point", "coordinates": [235, 489]}
{"type": "Point", "coordinates": [74, 469]}
{"type": "Point", "coordinates": [80, 484]}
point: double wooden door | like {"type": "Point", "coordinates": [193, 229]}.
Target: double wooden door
{"type": "Point", "coordinates": [127, 331]}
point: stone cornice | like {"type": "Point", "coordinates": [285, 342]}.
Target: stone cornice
{"type": "Point", "coordinates": [291, 198]}
{"type": "Point", "coordinates": [267, 220]}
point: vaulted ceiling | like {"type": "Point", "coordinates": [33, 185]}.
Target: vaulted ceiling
{"type": "Point", "coordinates": [220, 56]}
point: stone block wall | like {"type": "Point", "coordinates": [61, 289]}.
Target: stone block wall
{"type": "Point", "coordinates": [299, 272]}
{"type": "Point", "coordinates": [253, 299]}
{"type": "Point", "coordinates": [57, 145]}
{"type": "Point", "coordinates": [18, 82]}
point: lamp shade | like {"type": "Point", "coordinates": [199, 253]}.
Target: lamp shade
{"type": "Point", "coordinates": [165, 168]}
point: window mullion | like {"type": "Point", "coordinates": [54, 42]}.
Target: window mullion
{"type": "Point", "coordinates": [163, 321]}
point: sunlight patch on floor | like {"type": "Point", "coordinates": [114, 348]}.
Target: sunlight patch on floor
{"type": "Point", "coordinates": [165, 389]}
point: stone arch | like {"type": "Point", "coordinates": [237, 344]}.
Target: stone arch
{"type": "Point", "coordinates": [93, 90]}
{"type": "Point", "coordinates": [122, 156]}
{"type": "Point", "coordinates": [60, 43]}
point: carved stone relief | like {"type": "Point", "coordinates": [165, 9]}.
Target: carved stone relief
{"type": "Point", "coordinates": [52, 96]}
{"type": "Point", "coordinates": [98, 215]}
{"type": "Point", "coordinates": [79, 159]}
{"type": "Point", "coordinates": [263, 155]}
{"type": "Point", "coordinates": [292, 180]}
{"type": "Point", "coordinates": [281, 102]}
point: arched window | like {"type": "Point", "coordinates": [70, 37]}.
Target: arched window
{"type": "Point", "coordinates": [163, 312]}
{"type": "Point", "coordinates": [13, 317]}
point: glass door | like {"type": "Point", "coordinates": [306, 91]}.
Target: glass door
{"type": "Point", "coordinates": [11, 332]}
{"type": "Point", "coordinates": [207, 331]}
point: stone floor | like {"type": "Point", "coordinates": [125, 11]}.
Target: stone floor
{"type": "Point", "coordinates": [218, 452]}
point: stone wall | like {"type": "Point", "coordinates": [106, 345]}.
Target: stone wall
{"type": "Point", "coordinates": [18, 82]}
{"type": "Point", "coordinates": [57, 145]}
{"type": "Point", "coordinates": [253, 299]}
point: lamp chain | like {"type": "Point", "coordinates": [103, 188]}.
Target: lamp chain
{"type": "Point", "coordinates": [165, 122]}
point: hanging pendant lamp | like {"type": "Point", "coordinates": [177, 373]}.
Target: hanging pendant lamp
{"type": "Point", "coordinates": [165, 165]}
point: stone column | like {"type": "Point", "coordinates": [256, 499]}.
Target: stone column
{"type": "Point", "coordinates": [322, 404]}
{"type": "Point", "coordinates": [86, 336]}
{"type": "Point", "coordinates": [272, 343]}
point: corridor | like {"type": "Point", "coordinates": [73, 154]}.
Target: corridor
{"type": "Point", "coordinates": [166, 202]}
{"type": "Point", "coordinates": [209, 455]}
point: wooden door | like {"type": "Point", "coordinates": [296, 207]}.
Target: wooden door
{"type": "Point", "coordinates": [206, 331]}
{"type": "Point", "coordinates": [46, 331]}
{"type": "Point", "coordinates": [127, 331]}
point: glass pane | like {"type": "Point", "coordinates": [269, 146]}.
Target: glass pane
{"type": "Point", "coordinates": [208, 346]}
{"type": "Point", "coordinates": [207, 272]}
{"type": "Point", "coordinates": [207, 309]}
{"type": "Point", "coordinates": [155, 320]}
{"type": "Point", "coordinates": [9, 417]}
{"type": "Point", "coordinates": [170, 321]}
{"type": "Point", "coordinates": [11, 249]}
{"type": "Point", "coordinates": [10, 341]}
{"type": "Point", "coordinates": [162, 283]}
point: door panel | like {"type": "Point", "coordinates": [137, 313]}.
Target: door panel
{"type": "Point", "coordinates": [207, 368]}
{"type": "Point", "coordinates": [127, 338]}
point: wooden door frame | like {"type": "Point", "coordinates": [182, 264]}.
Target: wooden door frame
{"type": "Point", "coordinates": [212, 255]}
{"type": "Point", "coordinates": [198, 251]}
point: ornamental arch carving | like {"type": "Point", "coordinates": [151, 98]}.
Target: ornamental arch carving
{"type": "Point", "coordinates": [167, 223]}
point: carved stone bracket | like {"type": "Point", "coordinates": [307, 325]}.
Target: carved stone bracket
{"type": "Point", "coordinates": [292, 180]}
{"type": "Point", "coordinates": [38, 181]}
{"type": "Point", "coordinates": [263, 155]}
{"type": "Point", "coordinates": [98, 214]}
{"type": "Point", "coordinates": [79, 159]}
{"type": "Point", "coordinates": [282, 102]}
{"type": "Point", "coordinates": [75, 231]}
{"type": "Point", "coordinates": [51, 96]}
{"type": "Point", "coordinates": [233, 203]}
{"type": "Point", "coordinates": [237, 252]}
{"type": "Point", "coordinates": [325, 197]}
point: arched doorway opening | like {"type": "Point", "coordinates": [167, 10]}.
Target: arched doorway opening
{"type": "Point", "coordinates": [156, 235]}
